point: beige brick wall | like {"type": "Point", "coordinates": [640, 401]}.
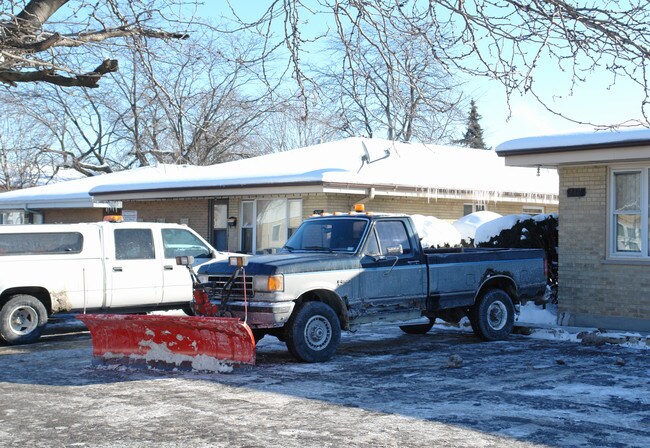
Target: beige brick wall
{"type": "Point", "coordinates": [193, 211]}
{"type": "Point", "coordinates": [72, 215]}
{"type": "Point", "coordinates": [446, 209]}
{"type": "Point", "coordinates": [591, 290]}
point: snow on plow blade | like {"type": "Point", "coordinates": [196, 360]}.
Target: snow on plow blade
{"type": "Point", "coordinates": [170, 342]}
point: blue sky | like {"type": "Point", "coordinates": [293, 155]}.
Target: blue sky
{"type": "Point", "coordinates": [596, 100]}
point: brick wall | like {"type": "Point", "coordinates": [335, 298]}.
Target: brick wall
{"type": "Point", "coordinates": [592, 291]}
{"type": "Point", "coordinates": [72, 215]}
{"type": "Point", "coordinates": [194, 212]}
{"type": "Point", "coordinates": [446, 209]}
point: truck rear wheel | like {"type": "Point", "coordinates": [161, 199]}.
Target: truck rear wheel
{"type": "Point", "coordinates": [313, 333]}
{"type": "Point", "coordinates": [22, 319]}
{"type": "Point", "coordinates": [493, 316]}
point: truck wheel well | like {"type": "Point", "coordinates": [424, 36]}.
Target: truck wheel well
{"type": "Point", "coordinates": [40, 293]}
{"type": "Point", "coordinates": [329, 298]}
{"type": "Point", "coordinates": [504, 283]}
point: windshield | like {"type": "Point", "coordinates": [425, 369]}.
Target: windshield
{"type": "Point", "coordinates": [331, 235]}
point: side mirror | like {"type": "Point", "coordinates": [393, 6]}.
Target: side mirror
{"type": "Point", "coordinates": [395, 250]}
{"type": "Point", "coordinates": [185, 260]}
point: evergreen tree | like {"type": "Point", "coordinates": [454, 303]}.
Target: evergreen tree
{"type": "Point", "coordinates": [474, 135]}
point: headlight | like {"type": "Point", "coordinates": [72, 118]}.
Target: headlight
{"type": "Point", "coordinates": [268, 283]}
{"type": "Point", "coordinates": [203, 278]}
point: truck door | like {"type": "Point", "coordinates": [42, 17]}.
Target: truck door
{"type": "Point", "coordinates": [177, 281]}
{"type": "Point", "coordinates": [393, 275]}
{"type": "Point", "coordinates": [136, 275]}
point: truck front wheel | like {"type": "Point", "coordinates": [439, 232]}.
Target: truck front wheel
{"type": "Point", "coordinates": [493, 316]}
{"type": "Point", "coordinates": [313, 333]}
{"type": "Point", "coordinates": [22, 319]}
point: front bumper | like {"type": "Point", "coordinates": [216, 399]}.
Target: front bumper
{"type": "Point", "coordinates": [259, 314]}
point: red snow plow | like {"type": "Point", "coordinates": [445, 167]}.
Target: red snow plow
{"type": "Point", "coordinates": [205, 342]}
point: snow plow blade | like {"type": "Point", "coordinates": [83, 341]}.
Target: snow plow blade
{"type": "Point", "coordinates": [212, 344]}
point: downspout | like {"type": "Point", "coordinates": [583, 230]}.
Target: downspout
{"type": "Point", "coordinates": [369, 197]}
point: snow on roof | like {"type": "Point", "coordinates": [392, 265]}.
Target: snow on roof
{"type": "Point", "coordinates": [75, 193]}
{"type": "Point", "coordinates": [387, 163]}
{"type": "Point", "coordinates": [586, 140]}
{"type": "Point", "coordinates": [353, 161]}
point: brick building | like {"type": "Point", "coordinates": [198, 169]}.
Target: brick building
{"type": "Point", "coordinates": [253, 205]}
{"type": "Point", "coordinates": [604, 231]}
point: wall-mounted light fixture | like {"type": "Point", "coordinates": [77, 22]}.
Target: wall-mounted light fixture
{"type": "Point", "coordinates": [232, 221]}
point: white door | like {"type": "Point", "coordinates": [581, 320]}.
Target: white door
{"type": "Point", "coordinates": [135, 272]}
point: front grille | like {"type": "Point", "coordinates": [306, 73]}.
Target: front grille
{"type": "Point", "coordinates": [217, 282]}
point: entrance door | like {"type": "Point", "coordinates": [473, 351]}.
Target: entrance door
{"type": "Point", "coordinates": [220, 226]}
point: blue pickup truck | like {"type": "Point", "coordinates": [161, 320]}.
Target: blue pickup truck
{"type": "Point", "coordinates": [337, 272]}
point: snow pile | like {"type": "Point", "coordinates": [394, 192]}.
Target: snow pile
{"type": "Point", "coordinates": [493, 228]}
{"type": "Point", "coordinates": [468, 224]}
{"type": "Point", "coordinates": [545, 216]}
{"type": "Point", "coordinates": [538, 315]}
{"type": "Point", "coordinates": [435, 232]}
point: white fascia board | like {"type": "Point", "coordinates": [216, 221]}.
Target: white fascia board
{"type": "Point", "coordinates": [44, 205]}
{"type": "Point", "coordinates": [553, 159]}
{"type": "Point", "coordinates": [439, 193]}
{"type": "Point", "coordinates": [210, 192]}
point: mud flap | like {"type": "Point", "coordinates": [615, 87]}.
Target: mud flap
{"type": "Point", "coordinates": [213, 344]}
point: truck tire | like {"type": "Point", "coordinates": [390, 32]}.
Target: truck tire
{"type": "Point", "coordinates": [493, 316]}
{"type": "Point", "coordinates": [417, 329]}
{"type": "Point", "coordinates": [22, 319]}
{"type": "Point", "coordinates": [313, 333]}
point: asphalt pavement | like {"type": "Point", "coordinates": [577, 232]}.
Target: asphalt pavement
{"type": "Point", "coordinates": [382, 389]}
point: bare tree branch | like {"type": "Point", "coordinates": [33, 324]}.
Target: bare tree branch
{"type": "Point", "coordinates": [32, 51]}
{"type": "Point", "coordinates": [510, 41]}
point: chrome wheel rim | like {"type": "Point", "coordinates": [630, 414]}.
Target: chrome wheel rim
{"type": "Point", "coordinates": [23, 320]}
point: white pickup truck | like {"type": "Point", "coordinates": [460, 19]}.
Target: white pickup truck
{"type": "Point", "coordinates": [94, 267]}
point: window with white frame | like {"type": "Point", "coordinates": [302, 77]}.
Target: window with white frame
{"type": "Point", "coordinates": [629, 213]}
{"type": "Point", "coordinates": [267, 223]}
{"type": "Point", "coordinates": [532, 210]}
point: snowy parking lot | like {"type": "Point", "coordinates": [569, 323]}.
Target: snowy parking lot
{"type": "Point", "coordinates": [382, 389]}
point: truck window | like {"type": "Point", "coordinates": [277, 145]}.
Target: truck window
{"type": "Point", "coordinates": [134, 244]}
{"type": "Point", "coordinates": [372, 246]}
{"type": "Point", "coordinates": [393, 237]}
{"type": "Point", "coordinates": [40, 243]}
{"type": "Point", "coordinates": [336, 234]}
{"type": "Point", "coordinates": [178, 242]}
